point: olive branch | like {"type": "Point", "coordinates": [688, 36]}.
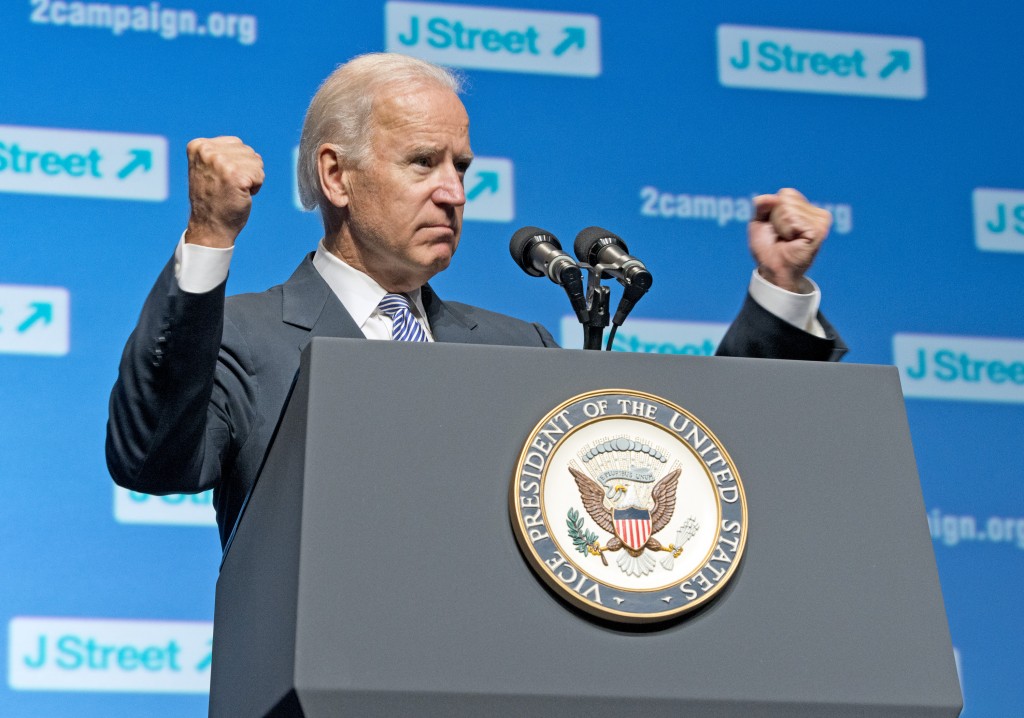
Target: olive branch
{"type": "Point", "coordinates": [585, 541]}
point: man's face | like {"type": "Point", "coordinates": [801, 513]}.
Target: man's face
{"type": "Point", "coordinates": [404, 204]}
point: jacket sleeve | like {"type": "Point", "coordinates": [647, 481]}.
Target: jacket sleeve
{"type": "Point", "coordinates": [180, 401]}
{"type": "Point", "coordinates": [756, 332]}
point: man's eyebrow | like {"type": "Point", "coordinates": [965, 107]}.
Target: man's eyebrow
{"type": "Point", "coordinates": [426, 150]}
{"type": "Point", "coordinates": [420, 150]}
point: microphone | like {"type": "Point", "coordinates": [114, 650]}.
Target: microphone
{"type": "Point", "coordinates": [539, 253]}
{"type": "Point", "coordinates": [596, 246]}
{"type": "Point", "coordinates": [607, 252]}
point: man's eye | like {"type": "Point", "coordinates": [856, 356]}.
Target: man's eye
{"type": "Point", "coordinates": [423, 161]}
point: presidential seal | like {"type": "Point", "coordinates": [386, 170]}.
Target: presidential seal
{"type": "Point", "coordinates": [628, 506]}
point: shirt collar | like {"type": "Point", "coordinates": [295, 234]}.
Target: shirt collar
{"type": "Point", "coordinates": [358, 292]}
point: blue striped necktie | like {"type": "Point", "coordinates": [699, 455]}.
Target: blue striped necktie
{"type": "Point", "coordinates": [404, 327]}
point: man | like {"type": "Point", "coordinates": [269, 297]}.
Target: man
{"type": "Point", "coordinates": [384, 150]}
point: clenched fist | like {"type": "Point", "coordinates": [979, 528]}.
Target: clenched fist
{"type": "Point", "coordinates": [223, 175]}
{"type": "Point", "coordinates": [785, 236]}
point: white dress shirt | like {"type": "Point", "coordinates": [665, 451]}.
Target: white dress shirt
{"type": "Point", "coordinates": [199, 269]}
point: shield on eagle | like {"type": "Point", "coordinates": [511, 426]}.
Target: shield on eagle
{"type": "Point", "coordinates": [632, 526]}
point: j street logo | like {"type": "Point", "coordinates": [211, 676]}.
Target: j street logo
{"type": "Point", "coordinates": [628, 506]}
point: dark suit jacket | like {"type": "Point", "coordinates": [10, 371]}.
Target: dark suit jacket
{"type": "Point", "coordinates": [203, 380]}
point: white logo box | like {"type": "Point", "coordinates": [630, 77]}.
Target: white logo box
{"type": "Point", "coordinates": [34, 320]}
{"type": "Point", "coordinates": [826, 62]}
{"type": "Point", "coordinates": [998, 219]}
{"type": "Point", "coordinates": [81, 163]}
{"type": "Point", "coordinates": [530, 41]}
{"type": "Point", "coordinates": [108, 655]}
{"type": "Point", "coordinates": [935, 366]}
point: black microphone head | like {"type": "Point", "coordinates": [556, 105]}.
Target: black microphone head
{"type": "Point", "coordinates": [523, 241]}
{"type": "Point", "coordinates": [591, 240]}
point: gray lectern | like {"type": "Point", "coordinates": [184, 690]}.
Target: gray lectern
{"type": "Point", "coordinates": [374, 571]}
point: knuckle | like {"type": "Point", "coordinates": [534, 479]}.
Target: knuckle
{"type": "Point", "coordinates": [783, 215]}
{"type": "Point", "coordinates": [195, 147]}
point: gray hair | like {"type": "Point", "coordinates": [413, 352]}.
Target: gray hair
{"type": "Point", "coordinates": [340, 112]}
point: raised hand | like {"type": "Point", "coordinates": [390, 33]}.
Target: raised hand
{"type": "Point", "coordinates": [223, 175]}
{"type": "Point", "coordinates": [785, 235]}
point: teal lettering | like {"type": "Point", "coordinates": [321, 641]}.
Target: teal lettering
{"type": "Point", "coordinates": [922, 365]}
{"type": "Point", "coordinates": [744, 62]}
{"type": "Point", "coordinates": [75, 165]}
{"type": "Point", "coordinates": [771, 62]}
{"type": "Point", "coordinates": [173, 651]}
{"type": "Point", "coordinates": [516, 42]}
{"type": "Point", "coordinates": [785, 58]}
{"type": "Point", "coordinates": [997, 372]}
{"type": "Point", "coordinates": [1000, 224]}
{"type": "Point", "coordinates": [21, 161]}
{"type": "Point", "coordinates": [531, 40]}
{"type": "Point", "coordinates": [858, 63]}
{"type": "Point", "coordinates": [945, 360]}
{"type": "Point", "coordinates": [51, 163]}
{"type": "Point", "coordinates": [492, 40]}
{"type": "Point", "coordinates": [75, 653]}
{"type": "Point", "coordinates": [439, 38]}
{"type": "Point", "coordinates": [1018, 214]}
{"type": "Point", "coordinates": [94, 163]}
{"type": "Point", "coordinates": [1016, 372]}
{"type": "Point", "coordinates": [821, 64]}
{"type": "Point", "coordinates": [203, 499]}
{"type": "Point", "coordinates": [951, 366]}
{"type": "Point", "coordinates": [633, 343]}
{"type": "Point", "coordinates": [41, 658]}
{"type": "Point", "coordinates": [68, 648]}
{"type": "Point", "coordinates": [970, 368]}
{"type": "Point", "coordinates": [841, 65]}
{"type": "Point", "coordinates": [414, 33]}
{"type": "Point", "coordinates": [444, 34]}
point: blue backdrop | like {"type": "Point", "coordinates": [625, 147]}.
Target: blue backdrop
{"type": "Point", "coordinates": [658, 123]}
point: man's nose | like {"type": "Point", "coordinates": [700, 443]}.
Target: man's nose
{"type": "Point", "coordinates": [449, 187]}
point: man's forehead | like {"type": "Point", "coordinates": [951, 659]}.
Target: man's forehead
{"type": "Point", "coordinates": [394, 108]}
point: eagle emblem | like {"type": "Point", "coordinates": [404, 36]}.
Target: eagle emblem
{"type": "Point", "coordinates": [627, 506]}
{"type": "Point", "coordinates": [622, 496]}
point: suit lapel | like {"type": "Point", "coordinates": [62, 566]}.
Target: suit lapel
{"type": "Point", "coordinates": [308, 303]}
{"type": "Point", "coordinates": [447, 324]}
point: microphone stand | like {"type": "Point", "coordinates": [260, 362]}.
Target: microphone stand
{"type": "Point", "coordinates": [597, 310]}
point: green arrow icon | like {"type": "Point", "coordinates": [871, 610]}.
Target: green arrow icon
{"type": "Point", "coordinates": [43, 313]}
{"type": "Point", "coordinates": [900, 61]}
{"type": "Point", "coordinates": [140, 158]}
{"type": "Point", "coordinates": [488, 181]}
{"type": "Point", "coordinates": [574, 37]}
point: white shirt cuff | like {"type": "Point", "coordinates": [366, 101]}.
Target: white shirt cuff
{"type": "Point", "coordinates": [798, 309]}
{"type": "Point", "coordinates": [200, 269]}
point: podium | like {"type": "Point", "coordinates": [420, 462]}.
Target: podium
{"type": "Point", "coordinates": [374, 570]}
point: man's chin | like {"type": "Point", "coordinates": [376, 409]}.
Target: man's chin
{"type": "Point", "coordinates": [441, 253]}
{"type": "Point", "coordinates": [440, 264]}
{"type": "Point", "coordinates": [432, 266]}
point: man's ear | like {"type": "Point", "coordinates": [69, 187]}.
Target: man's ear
{"type": "Point", "coordinates": [332, 175]}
